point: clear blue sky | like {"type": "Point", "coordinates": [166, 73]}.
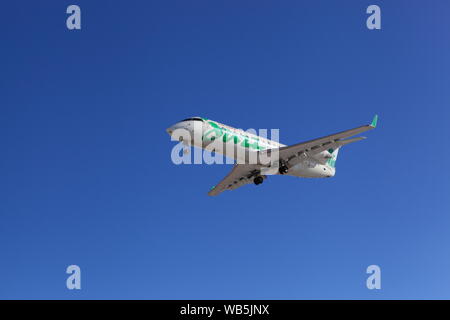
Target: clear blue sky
{"type": "Point", "coordinates": [87, 179]}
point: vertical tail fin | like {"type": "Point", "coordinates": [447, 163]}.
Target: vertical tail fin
{"type": "Point", "coordinates": [334, 153]}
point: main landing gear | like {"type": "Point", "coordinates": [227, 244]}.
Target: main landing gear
{"type": "Point", "coordinates": [258, 180]}
{"type": "Point", "coordinates": [283, 169]}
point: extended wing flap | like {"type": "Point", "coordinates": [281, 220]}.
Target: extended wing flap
{"type": "Point", "coordinates": [240, 175]}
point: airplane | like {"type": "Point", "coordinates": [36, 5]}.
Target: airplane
{"type": "Point", "coordinates": [310, 159]}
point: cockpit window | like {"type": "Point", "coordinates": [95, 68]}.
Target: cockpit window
{"type": "Point", "coordinates": [193, 119]}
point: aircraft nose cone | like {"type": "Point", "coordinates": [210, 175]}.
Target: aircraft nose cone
{"type": "Point", "coordinates": [169, 130]}
{"type": "Point", "coordinates": [172, 128]}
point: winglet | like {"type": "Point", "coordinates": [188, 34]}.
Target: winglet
{"type": "Point", "coordinates": [374, 121]}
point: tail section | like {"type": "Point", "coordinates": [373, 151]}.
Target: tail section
{"type": "Point", "coordinates": [334, 153]}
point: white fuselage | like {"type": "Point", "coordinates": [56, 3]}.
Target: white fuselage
{"type": "Point", "coordinates": [238, 144]}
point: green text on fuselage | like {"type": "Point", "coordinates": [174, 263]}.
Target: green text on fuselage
{"type": "Point", "coordinates": [220, 132]}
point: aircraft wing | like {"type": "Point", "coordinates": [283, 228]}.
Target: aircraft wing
{"type": "Point", "coordinates": [240, 175]}
{"type": "Point", "coordinates": [316, 146]}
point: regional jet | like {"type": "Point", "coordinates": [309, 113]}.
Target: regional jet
{"type": "Point", "coordinates": [310, 159]}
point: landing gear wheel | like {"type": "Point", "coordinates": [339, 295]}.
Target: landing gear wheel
{"type": "Point", "coordinates": [283, 169]}
{"type": "Point", "coordinates": [258, 180]}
